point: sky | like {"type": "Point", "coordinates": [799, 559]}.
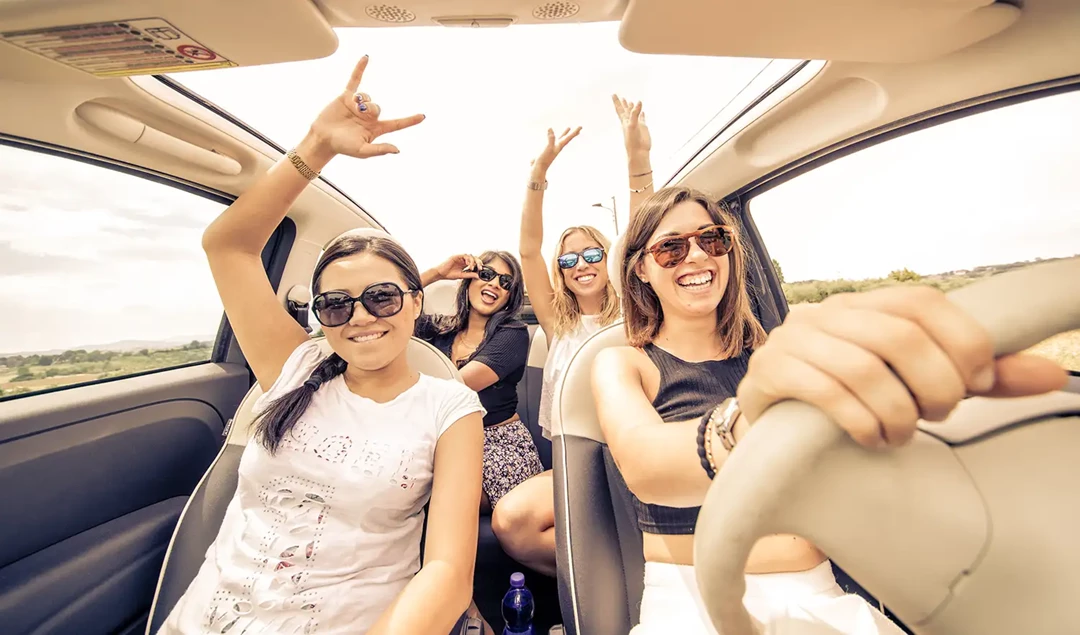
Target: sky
{"type": "Point", "coordinates": [108, 257]}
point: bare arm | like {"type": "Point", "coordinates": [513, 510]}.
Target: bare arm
{"type": "Point", "coordinates": [443, 587]}
{"type": "Point", "coordinates": [233, 244]}
{"type": "Point", "coordinates": [658, 459]}
{"type": "Point", "coordinates": [478, 375]}
{"type": "Point", "coordinates": [638, 143]}
{"type": "Point", "coordinates": [234, 241]}
{"type": "Point", "coordinates": [533, 269]}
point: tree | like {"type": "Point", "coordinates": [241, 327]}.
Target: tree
{"type": "Point", "coordinates": [779, 271]}
{"type": "Point", "coordinates": [904, 275]}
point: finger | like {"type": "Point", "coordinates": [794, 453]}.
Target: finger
{"type": "Point", "coordinates": [369, 109]}
{"type": "Point", "coordinates": [1022, 375]}
{"type": "Point", "coordinates": [393, 125]}
{"type": "Point", "coordinates": [910, 353]}
{"type": "Point", "coordinates": [357, 75]}
{"type": "Point", "coordinates": [568, 136]}
{"type": "Point", "coordinates": [377, 150]}
{"type": "Point", "coordinates": [962, 338]}
{"type": "Point", "coordinates": [776, 377]}
{"type": "Point", "coordinates": [862, 373]}
{"type": "Point", "coordinates": [551, 138]}
{"type": "Point", "coordinates": [618, 104]}
{"type": "Point", "coordinates": [642, 118]}
{"type": "Point", "coordinates": [635, 112]}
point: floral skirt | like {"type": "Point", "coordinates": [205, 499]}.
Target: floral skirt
{"type": "Point", "coordinates": [510, 457]}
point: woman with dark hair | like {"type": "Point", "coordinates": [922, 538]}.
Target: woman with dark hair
{"type": "Point", "coordinates": [487, 341]}
{"type": "Point", "coordinates": [323, 532]}
{"type": "Point", "coordinates": [700, 369]}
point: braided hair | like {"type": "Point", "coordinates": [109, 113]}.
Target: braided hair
{"type": "Point", "coordinates": [284, 412]}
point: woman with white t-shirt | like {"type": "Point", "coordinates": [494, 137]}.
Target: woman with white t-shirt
{"type": "Point", "coordinates": [576, 300]}
{"type": "Point", "coordinates": [323, 533]}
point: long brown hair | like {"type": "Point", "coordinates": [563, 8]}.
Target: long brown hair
{"type": "Point", "coordinates": [564, 303]}
{"type": "Point", "coordinates": [736, 324]}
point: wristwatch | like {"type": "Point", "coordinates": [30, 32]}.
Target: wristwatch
{"type": "Point", "coordinates": [724, 418]}
{"type": "Point", "coordinates": [533, 185]}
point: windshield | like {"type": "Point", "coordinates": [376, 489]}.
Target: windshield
{"type": "Point", "coordinates": [489, 97]}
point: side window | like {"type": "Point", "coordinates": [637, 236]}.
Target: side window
{"type": "Point", "coordinates": [102, 274]}
{"type": "Point", "coordinates": [943, 206]}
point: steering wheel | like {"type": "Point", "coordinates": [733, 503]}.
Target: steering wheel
{"type": "Point", "coordinates": [958, 532]}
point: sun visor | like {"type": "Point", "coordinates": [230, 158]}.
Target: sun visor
{"type": "Point", "coordinates": [839, 30]}
{"type": "Point", "coordinates": [148, 37]}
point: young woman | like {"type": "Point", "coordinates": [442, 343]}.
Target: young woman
{"type": "Point", "coordinates": [490, 345]}
{"type": "Point", "coordinates": [323, 533]}
{"type": "Point", "coordinates": [572, 302]}
{"type": "Point", "coordinates": [875, 362]}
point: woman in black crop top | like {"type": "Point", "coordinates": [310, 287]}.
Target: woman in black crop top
{"type": "Point", "coordinates": [490, 346]}
{"type": "Point", "coordinates": [875, 362]}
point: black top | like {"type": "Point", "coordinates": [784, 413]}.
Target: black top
{"type": "Point", "coordinates": [687, 391]}
{"type": "Point", "coordinates": [505, 351]}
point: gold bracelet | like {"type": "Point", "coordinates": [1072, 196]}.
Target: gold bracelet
{"type": "Point", "coordinates": [642, 189]}
{"type": "Point", "coordinates": [634, 176]}
{"type": "Point", "coordinates": [301, 167]}
{"type": "Point", "coordinates": [709, 432]}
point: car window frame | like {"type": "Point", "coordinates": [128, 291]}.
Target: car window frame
{"type": "Point", "coordinates": [744, 196]}
{"type": "Point", "coordinates": [275, 254]}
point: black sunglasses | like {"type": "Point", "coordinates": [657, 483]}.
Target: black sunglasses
{"type": "Point", "coordinates": [382, 300]}
{"type": "Point", "coordinates": [487, 274]}
{"type": "Point", "coordinates": [592, 255]}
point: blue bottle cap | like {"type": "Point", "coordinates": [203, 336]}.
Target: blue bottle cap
{"type": "Point", "coordinates": [517, 580]}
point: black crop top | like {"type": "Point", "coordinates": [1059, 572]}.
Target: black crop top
{"type": "Point", "coordinates": [687, 391]}
{"type": "Point", "coordinates": [505, 351]}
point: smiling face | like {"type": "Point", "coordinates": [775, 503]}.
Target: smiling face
{"type": "Point", "coordinates": [488, 297]}
{"type": "Point", "coordinates": [367, 342]}
{"type": "Point", "coordinates": [695, 286]}
{"type": "Point", "coordinates": [584, 280]}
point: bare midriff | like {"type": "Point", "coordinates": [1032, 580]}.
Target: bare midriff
{"type": "Point", "coordinates": [779, 553]}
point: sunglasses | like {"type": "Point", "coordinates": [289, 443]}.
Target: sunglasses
{"type": "Point", "coordinates": [487, 274]}
{"type": "Point", "coordinates": [592, 255]}
{"type": "Point", "coordinates": [670, 251]}
{"type": "Point", "coordinates": [382, 300]}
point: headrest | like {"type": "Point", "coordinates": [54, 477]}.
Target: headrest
{"type": "Point", "coordinates": [440, 298]}
{"type": "Point", "coordinates": [574, 412]}
{"type": "Point", "coordinates": [423, 357]}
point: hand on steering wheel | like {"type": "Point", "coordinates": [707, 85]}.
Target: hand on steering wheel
{"type": "Point", "coordinates": [877, 362]}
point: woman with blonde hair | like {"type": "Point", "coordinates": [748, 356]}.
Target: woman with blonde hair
{"type": "Point", "coordinates": [573, 301]}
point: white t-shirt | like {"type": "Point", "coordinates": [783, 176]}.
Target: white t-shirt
{"type": "Point", "coordinates": [558, 357]}
{"type": "Point", "coordinates": [323, 535]}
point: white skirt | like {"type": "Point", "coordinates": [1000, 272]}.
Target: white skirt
{"type": "Point", "coordinates": [799, 603]}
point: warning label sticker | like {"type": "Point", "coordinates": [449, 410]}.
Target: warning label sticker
{"type": "Point", "coordinates": [144, 46]}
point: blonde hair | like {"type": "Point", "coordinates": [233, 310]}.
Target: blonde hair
{"type": "Point", "coordinates": [564, 303]}
{"type": "Point", "coordinates": [736, 324]}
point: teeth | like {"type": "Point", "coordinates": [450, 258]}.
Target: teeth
{"type": "Point", "coordinates": [586, 278]}
{"type": "Point", "coordinates": [489, 295]}
{"type": "Point", "coordinates": [697, 279]}
{"type": "Point", "coordinates": [367, 338]}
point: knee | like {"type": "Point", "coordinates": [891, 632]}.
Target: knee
{"type": "Point", "coordinates": [512, 522]}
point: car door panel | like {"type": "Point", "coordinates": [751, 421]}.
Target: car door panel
{"type": "Point", "coordinates": [98, 476]}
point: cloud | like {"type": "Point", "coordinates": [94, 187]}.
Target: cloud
{"type": "Point", "coordinates": [14, 262]}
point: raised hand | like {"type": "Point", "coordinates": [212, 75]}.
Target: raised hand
{"type": "Point", "coordinates": [460, 267]}
{"type": "Point", "coordinates": [553, 148]}
{"type": "Point", "coordinates": [350, 124]}
{"type": "Point", "coordinates": [635, 132]}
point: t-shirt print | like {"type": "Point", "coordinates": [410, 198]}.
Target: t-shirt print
{"type": "Point", "coordinates": [321, 536]}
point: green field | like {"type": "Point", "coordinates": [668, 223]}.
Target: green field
{"type": "Point", "coordinates": [1063, 348]}
{"type": "Point", "coordinates": [20, 374]}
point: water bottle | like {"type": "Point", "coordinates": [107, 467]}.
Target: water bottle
{"type": "Point", "coordinates": [517, 607]}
